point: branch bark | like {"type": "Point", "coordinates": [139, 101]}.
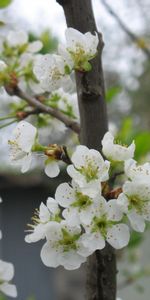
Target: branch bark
{"type": "Point", "coordinates": [101, 267]}
{"type": "Point", "coordinates": [40, 107]}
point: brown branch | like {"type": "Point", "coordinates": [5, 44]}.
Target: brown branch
{"type": "Point", "coordinates": [40, 107]}
{"type": "Point", "coordinates": [124, 27]}
{"type": "Point", "coordinates": [101, 267]}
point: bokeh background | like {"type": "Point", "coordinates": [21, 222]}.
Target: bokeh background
{"type": "Point", "coordinates": [127, 77]}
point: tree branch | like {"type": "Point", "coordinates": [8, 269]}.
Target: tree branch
{"type": "Point", "coordinates": [101, 267]}
{"type": "Point", "coordinates": [40, 107]}
{"type": "Point", "coordinates": [132, 35]}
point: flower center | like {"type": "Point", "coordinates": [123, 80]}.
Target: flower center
{"type": "Point", "coordinates": [136, 203]}
{"type": "Point", "coordinates": [101, 224]}
{"type": "Point", "coordinates": [82, 201]}
{"type": "Point", "coordinates": [68, 241]}
{"type": "Point", "coordinates": [89, 170]}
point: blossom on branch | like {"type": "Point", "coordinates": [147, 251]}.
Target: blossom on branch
{"type": "Point", "coordinates": [64, 246]}
{"type": "Point", "coordinates": [6, 275]}
{"type": "Point", "coordinates": [49, 69]}
{"type": "Point", "coordinates": [114, 151]}
{"type": "Point", "coordinates": [23, 138]}
{"type": "Point", "coordinates": [88, 169]}
{"type": "Point", "coordinates": [104, 227]}
{"type": "Point", "coordinates": [80, 49]}
{"type": "Point", "coordinates": [47, 213]}
{"type": "Point", "coordinates": [135, 202]}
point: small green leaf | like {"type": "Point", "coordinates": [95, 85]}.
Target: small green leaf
{"type": "Point", "coordinates": [5, 3]}
{"type": "Point", "coordinates": [142, 141]}
{"type": "Point", "coordinates": [135, 240]}
{"type": "Point", "coordinates": [67, 70]}
{"type": "Point", "coordinates": [112, 93]}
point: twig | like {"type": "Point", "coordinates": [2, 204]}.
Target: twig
{"type": "Point", "coordinates": [132, 35]}
{"type": "Point", "coordinates": [7, 124]}
{"type": "Point", "coordinates": [44, 108]}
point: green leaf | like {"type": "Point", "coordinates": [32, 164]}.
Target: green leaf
{"type": "Point", "coordinates": [126, 133]}
{"type": "Point", "coordinates": [142, 141]}
{"type": "Point", "coordinates": [135, 240]}
{"type": "Point", "coordinates": [5, 3]}
{"type": "Point", "coordinates": [112, 93]}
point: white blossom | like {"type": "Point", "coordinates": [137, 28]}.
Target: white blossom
{"type": "Point", "coordinates": [16, 38]}
{"type": "Point", "coordinates": [135, 172]}
{"type": "Point", "coordinates": [23, 138]}
{"type": "Point", "coordinates": [105, 227]}
{"type": "Point", "coordinates": [6, 275]}
{"type": "Point", "coordinates": [114, 151]}
{"type": "Point", "coordinates": [88, 169]}
{"type": "Point", "coordinates": [49, 69]}
{"type": "Point", "coordinates": [78, 206]}
{"type": "Point", "coordinates": [47, 213]}
{"type": "Point", "coordinates": [63, 246]}
{"type": "Point", "coordinates": [135, 202]}
{"type": "Point", "coordinates": [80, 48]}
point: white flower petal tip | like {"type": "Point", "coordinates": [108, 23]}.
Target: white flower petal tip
{"type": "Point", "coordinates": [116, 152]}
{"type": "Point", "coordinates": [118, 236]}
{"type": "Point", "coordinates": [52, 169]}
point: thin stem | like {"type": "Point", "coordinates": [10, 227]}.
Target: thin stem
{"type": "Point", "coordinates": [43, 108]}
{"type": "Point", "coordinates": [139, 42]}
{"type": "Point", "coordinates": [7, 124]}
{"type": "Point", "coordinates": [7, 117]}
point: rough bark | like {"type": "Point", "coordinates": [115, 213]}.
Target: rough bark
{"type": "Point", "coordinates": [101, 267]}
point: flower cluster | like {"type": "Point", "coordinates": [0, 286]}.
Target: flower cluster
{"type": "Point", "coordinates": [86, 213]}
{"type": "Point", "coordinates": [6, 275]}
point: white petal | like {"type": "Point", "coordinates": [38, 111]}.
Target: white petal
{"type": "Point", "coordinates": [65, 195]}
{"type": "Point", "coordinates": [49, 256]}
{"type": "Point", "coordinates": [44, 214]}
{"type": "Point", "coordinates": [26, 163]}
{"type": "Point", "coordinates": [78, 157]}
{"type": "Point", "coordinates": [17, 38]}
{"type": "Point", "coordinates": [6, 271]}
{"type": "Point", "coordinates": [52, 206]}
{"type": "Point", "coordinates": [8, 289]}
{"type": "Point", "coordinates": [25, 134]}
{"type": "Point", "coordinates": [136, 221]}
{"type": "Point", "coordinates": [123, 202]}
{"type": "Point", "coordinates": [53, 231]}
{"type": "Point", "coordinates": [71, 215]}
{"type": "Point", "coordinates": [35, 46]}
{"type": "Point", "coordinates": [114, 212]}
{"type": "Point", "coordinates": [37, 235]}
{"type": "Point", "coordinates": [71, 260]}
{"type": "Point", "coordinates": [52, 169]}
{"type": "Point", "coordinates": [118, 236]}
{"type": "Point", "coordinates": [93, 241]}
